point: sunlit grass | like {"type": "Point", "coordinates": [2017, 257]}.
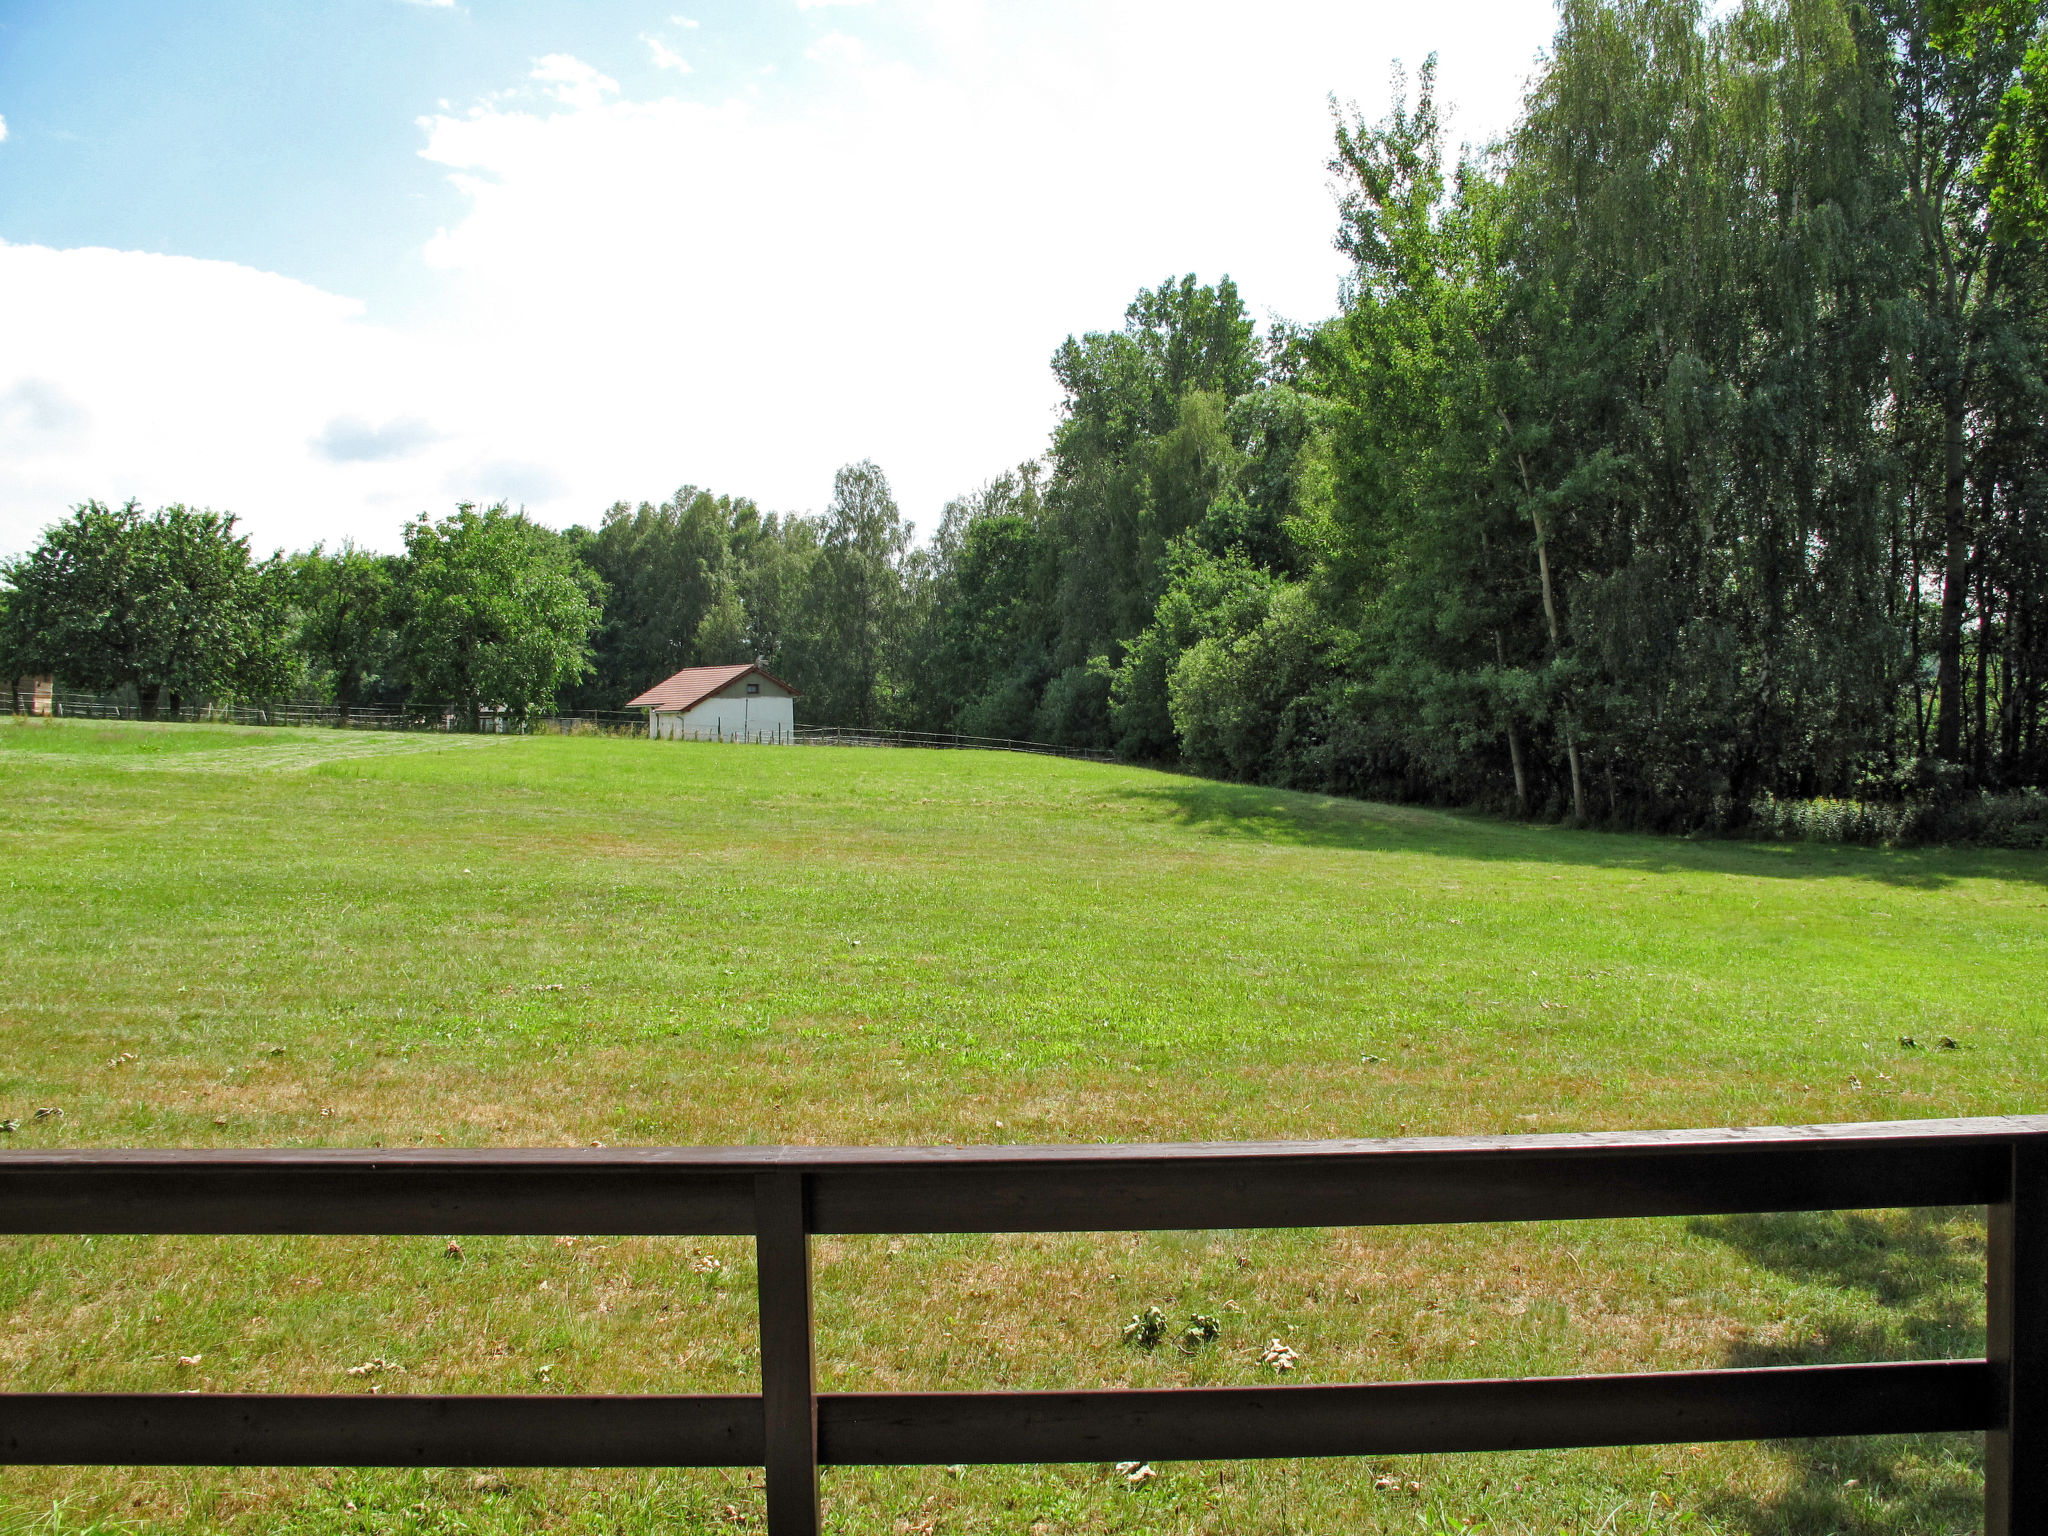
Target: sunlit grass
{"type": "Point", "coordinates": [222, 937]}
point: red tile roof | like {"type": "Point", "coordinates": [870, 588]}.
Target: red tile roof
{"type": "Point", "coordinates": [693, 685]}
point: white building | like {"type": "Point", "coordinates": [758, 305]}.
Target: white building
{"type": "Point", "coordinates": [743, 703]}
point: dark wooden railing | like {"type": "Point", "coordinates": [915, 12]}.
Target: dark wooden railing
{"type": "Point", "coordinates": [784, 1195]}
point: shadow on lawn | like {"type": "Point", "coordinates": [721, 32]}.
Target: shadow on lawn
{"type": "Point", "coordinates": [1898, 1285]}
{"type": "Point", "coordinates": [1258, 813]}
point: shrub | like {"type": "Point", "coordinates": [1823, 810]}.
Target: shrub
{"type": "Point", "coordinates": [1986, 820]}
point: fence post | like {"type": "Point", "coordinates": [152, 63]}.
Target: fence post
{"type": "Point", "coordinates": [789, 1384]}
{"type": "Point", "coordinates": [2016, 1342]}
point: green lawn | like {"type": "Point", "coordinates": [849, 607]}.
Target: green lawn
{"type": "Point", "coordinates": [237, 937]}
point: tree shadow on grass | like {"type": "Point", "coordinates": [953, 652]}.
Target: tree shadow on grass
{"type": "Point", "coordinates": [1257, 813]}
{"type": "Point", "coordinates": [1881, 1285]}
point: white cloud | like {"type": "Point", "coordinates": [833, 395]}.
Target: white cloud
{"type": "Point", "coordinates": [35, 412]}
{"type": "Point", "coordinates": [682, 21]}
{"type": "Point", "coordinates": [434, 5]}
{"type": "Point", "coordinates": [838, 48]}
{"type": "Point", "coordinates": [573, 82]}
{"type": "Point", "coordinates": [172, 379]}
{"type": "Point", "coordinates": [818, 5]}
{"type": "Point", "coordinates": [511, 480]}
{"type": "Point", "coordinates": [3, 130]}
{"type": "Point", "coordinates": [869, 260]}
{"type": "Point", "coordinates": [664, 56]}
{"type": "Point", "coordinates": [352, 440]}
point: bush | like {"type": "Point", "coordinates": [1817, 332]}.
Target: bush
{"type": "Point", "coordinates": [1075, 709]}
{"type": "Point", "coordinates": [1002, 712]}
{"type": "Point", "coordinates": [1984, 820]}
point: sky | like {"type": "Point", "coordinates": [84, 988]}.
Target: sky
{"type": "Point", "coordinates": [331, 264]}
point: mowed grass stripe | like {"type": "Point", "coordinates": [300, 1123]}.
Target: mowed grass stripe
{"type": "Point", "coordinates": [547, 940]}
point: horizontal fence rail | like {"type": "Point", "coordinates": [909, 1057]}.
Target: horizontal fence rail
{"type": "Point", "coordinates": [877, 736]}
{"type": "Point", "coordinates": [783, 1196]}
{"type": "Point", "coordinates": [67, 704]}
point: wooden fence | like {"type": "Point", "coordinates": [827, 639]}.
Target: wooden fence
{"type": "Point", "coordinates": [784, 1195]}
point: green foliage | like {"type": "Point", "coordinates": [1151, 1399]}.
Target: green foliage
{"type": "Point", "coordinates": [346, 626]}
{"type": "Point", "coordinates": [1988, 821]}
{"type": "Point", "coordinates": [1205, 595]}
{"type": "Point", "coordinates": [496, 611]}
{"type": "Point", "coordinates": [1141, 449]}
{"type": "Point", "coordinates": [979, 652]}
{"type": "Point", "coordinates": [1683, 448]}
{"type": "Point", "coordinates": [1244, 698]}
{"type": "Point", "coordinates": [2012, 165]}
{"type": "Point", "coordinates": [855, 601]}
{"type": "Point", "coordinates": [164, 602]}
{"type": "Point", "coordinates": [700, 580]}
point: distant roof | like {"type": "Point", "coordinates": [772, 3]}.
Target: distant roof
{"type": "Point", "coordinates": [693, 685]}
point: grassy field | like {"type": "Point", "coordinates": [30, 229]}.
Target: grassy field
{"type": "Point", "coordinates": [237, 937]}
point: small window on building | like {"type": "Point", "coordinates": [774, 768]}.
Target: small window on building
{"type": "Point", "coordinates": [753, 687]}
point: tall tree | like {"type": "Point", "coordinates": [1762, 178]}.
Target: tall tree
{"type": "Point", "coordinates": [346, 626]}
{"type": "Point", "coordinates": [167, 603]}
{"type": "Point", "coordinates": [855, 599]}
{"type": "Point", "coordinates": [494, 611]}
{"type": "Point", "coordinates": [1951, 103]}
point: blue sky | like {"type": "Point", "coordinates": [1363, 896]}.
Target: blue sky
{"type": "Point", "coordinates": [328, 265]}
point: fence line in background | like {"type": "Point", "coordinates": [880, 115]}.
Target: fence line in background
{"type": "Point", "coordinates": [783, 1196]}
{"type": "Point", "coordinates": [610, 722]}
{"type": "Point", "coordinates": [852, 736]}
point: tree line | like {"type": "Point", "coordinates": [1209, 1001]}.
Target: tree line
{"type": "Point", "coordinates": [1683, 449]}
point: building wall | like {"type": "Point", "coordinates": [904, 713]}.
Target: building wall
{"type": "Point", "coordinates": [742, 717]}
{"type": "Point", "coordinates": [35, 694]}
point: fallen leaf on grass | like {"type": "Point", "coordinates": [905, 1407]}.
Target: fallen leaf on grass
{"type": "Point", "coordinates": [190, 1359]}
{"type": "Point", "coordinates": [1278, 1356]}
{"type": "Point", "coordinates": [374, 1367]}
{"type": "Point", "coordinates": [10, 1125]}
{"type": "Point", "coordinates": [49, 1114]}
{"type": "Point", "coordinates": [1146, 1330]}
{"type": "Point", "coordinates": [1136, 1472]}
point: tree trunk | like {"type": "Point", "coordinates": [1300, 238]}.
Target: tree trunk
{"type": "Point", "coordinates": [145, 700]}
{"type": "Point", "coordinates": [1955, 585]}
{"type": "Point", "coordinates": [1571, 745]}
{"type": "Point", "coordinates": [1913, 619]}
{"type": "Point", "coordinates": [1571, 752]}
{"type": "Point", "coordinates": [1500, 657]}
{"type": "Point", "coordinates": [1981, 757]}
